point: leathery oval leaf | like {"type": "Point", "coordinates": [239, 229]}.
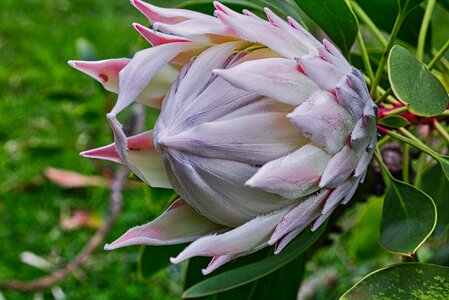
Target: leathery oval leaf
{"type": "Point", "coordinates": [414, 84]}
{"type": "Point", "coordinates": [408, 218]}
{"type": "Point", "coordinates": [394, 121]}
{"type": "Point", "coordinates": [403, 281]}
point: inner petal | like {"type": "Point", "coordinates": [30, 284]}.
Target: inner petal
{"type": "Point", "coordinates": [215, 188]}
{"type": "Point", "coordinates": [254, 139]}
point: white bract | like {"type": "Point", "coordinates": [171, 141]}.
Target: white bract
{"type": "Point", "coordinates": [263, 130]}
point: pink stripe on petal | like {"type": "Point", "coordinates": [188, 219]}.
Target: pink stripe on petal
{"type": "Point", "coordinates": [250, 28]}
{"type": "Point", "coordinates": [166, 15]}
{"type": "Point", "coordinates": [164, 230]}
{"type": "Point", "coordinates": [331, 54]}
{"type": "Point", "coordinates": [294, 24]}
{"type": "Point", "coordinates": [104, 71]}
{"type": "Point", "coordinates": [157, 38]}
{"type": "Point", "coordinates": [108, 152]}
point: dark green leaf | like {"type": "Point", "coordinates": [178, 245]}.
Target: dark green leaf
{"type": "Point", "coordinates": [408, 218]}
{"type": "Point", "coordinates": [362, 240]}
{"type": "Point", "coordinates": [435, 184]}
{"type": "Point", "coordinates": [155, 258]}
{"type": "Point", "coordinates": [281, 284]}
{"type": "Point", "coordinates": [193, 273]}
{"type": "Point", "coordinates": [394, 121]}
{"type": "Point", "coordinates": [444, 3]}
{"type": "Point", "coordinates": [403, 281]}
{"type": "Point", "coordinates": [384, 12]}
{"type": "Point", "coordinates": [412, 83]}
{"type": "Point", "coordinates": [408, 5]}
{"type": "Point", "coordinates": [444, 164]}
{"type": "Point", "coordinates": [335, 18]}
{"type": "Point", "coordinates": [249, 273]}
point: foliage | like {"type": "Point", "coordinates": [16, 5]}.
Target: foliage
{"type": "Point", "coordinates": [51, 113]}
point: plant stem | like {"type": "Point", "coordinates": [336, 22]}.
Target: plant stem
{"type": "Point", "coordinates": [441, 130]}
{"type": "Point", "coordinates": [386, 175]}
{"type": "Point", "coordinates": [424, 28]}
{"type": "Point", "coordinates": [383, 140]}
{"type": "Point", "coordinates": [420, 165]}
{"type": "Point", "coordinates": [369, 23]}
{"type": "Point", "coordinates": [397, 25]}
{"type": "Point", "coordinates": [415, 143]}
{"type": "Point", "coordinates": [384, 96]}
{"type": "Point", "coordinates": [365, 56]}
{"type": "Point", "coordinates": [437, 56]}
{"type": "Point", "coordinates": [396, 111]}
{"type": "Point", "coordinates": [405, 162]}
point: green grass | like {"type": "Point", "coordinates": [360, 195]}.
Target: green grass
{"type": "Point", "coordinates": [49, 113]}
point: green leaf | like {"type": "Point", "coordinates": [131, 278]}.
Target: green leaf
{"type": "Point", "coordinates": [281, 284]}
{"type": "Point", "coordinates": [435, 184]}
{"type": "Point", "coordinates": [403, 281]}
{"type": "Point", "coordinates": [384, 13]}
{"type": "Point", "coordinates": [155, 258]}
{"type": "Point", "coordinates": [394, 121]}
{"type": "Point", "coordinates": [408, 5]}
{"type": "Point", "coordinates": [335, 18]}
{"type": "Point", "coordinates": [362, 240]}
{"type": "Point", "coordinates": [444, 3]}
{"type": "Point", "coordinates": [412, 83]}
{"type": "Point", "coordinates": [444, 164]}
{"type": "Point", "coordinates": [254, 271]}
{"type": "Point", "coordinates": [408, 218]}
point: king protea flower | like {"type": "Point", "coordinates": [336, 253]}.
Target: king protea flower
{"type": "Point", "coordinates": [263, 130]}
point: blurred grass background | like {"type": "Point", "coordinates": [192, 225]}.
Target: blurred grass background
{"type": "Point", "coordinates": [49, 113]}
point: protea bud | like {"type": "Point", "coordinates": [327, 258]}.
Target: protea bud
{"type": "Point", "coordinates": [262, 132]}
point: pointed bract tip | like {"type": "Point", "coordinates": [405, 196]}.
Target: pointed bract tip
{"type": "Point", "coordinates": [111, 117]}
{"type": "Point", "coordinates": [277, 251]}
{"type": "Point", "coordinates": [271, 242]}
{"type": "Point", "coordinates": [219, 6]}
{"type": "Point", "coordinates": [205, 272]}
{"type": "Point", "coordinates": [72, 63]}
{"type": "Point", "coordinates": [250, 182]}
{"type": "Point", "coordinates": [315, 226]}
{"type": "Point", "coordinates": [107, 247]}
{"type": "Point", "coordinates": [218, 72]}
{"type": "Point", "coordinates": [137, 26]}
{"type": "Point", "coordinates": [135, 2]}
{"type": "Point", "coordinates": [174, 260]}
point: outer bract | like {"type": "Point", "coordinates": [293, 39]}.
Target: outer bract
{"type": "Point", "coordinates": [263, 130]}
